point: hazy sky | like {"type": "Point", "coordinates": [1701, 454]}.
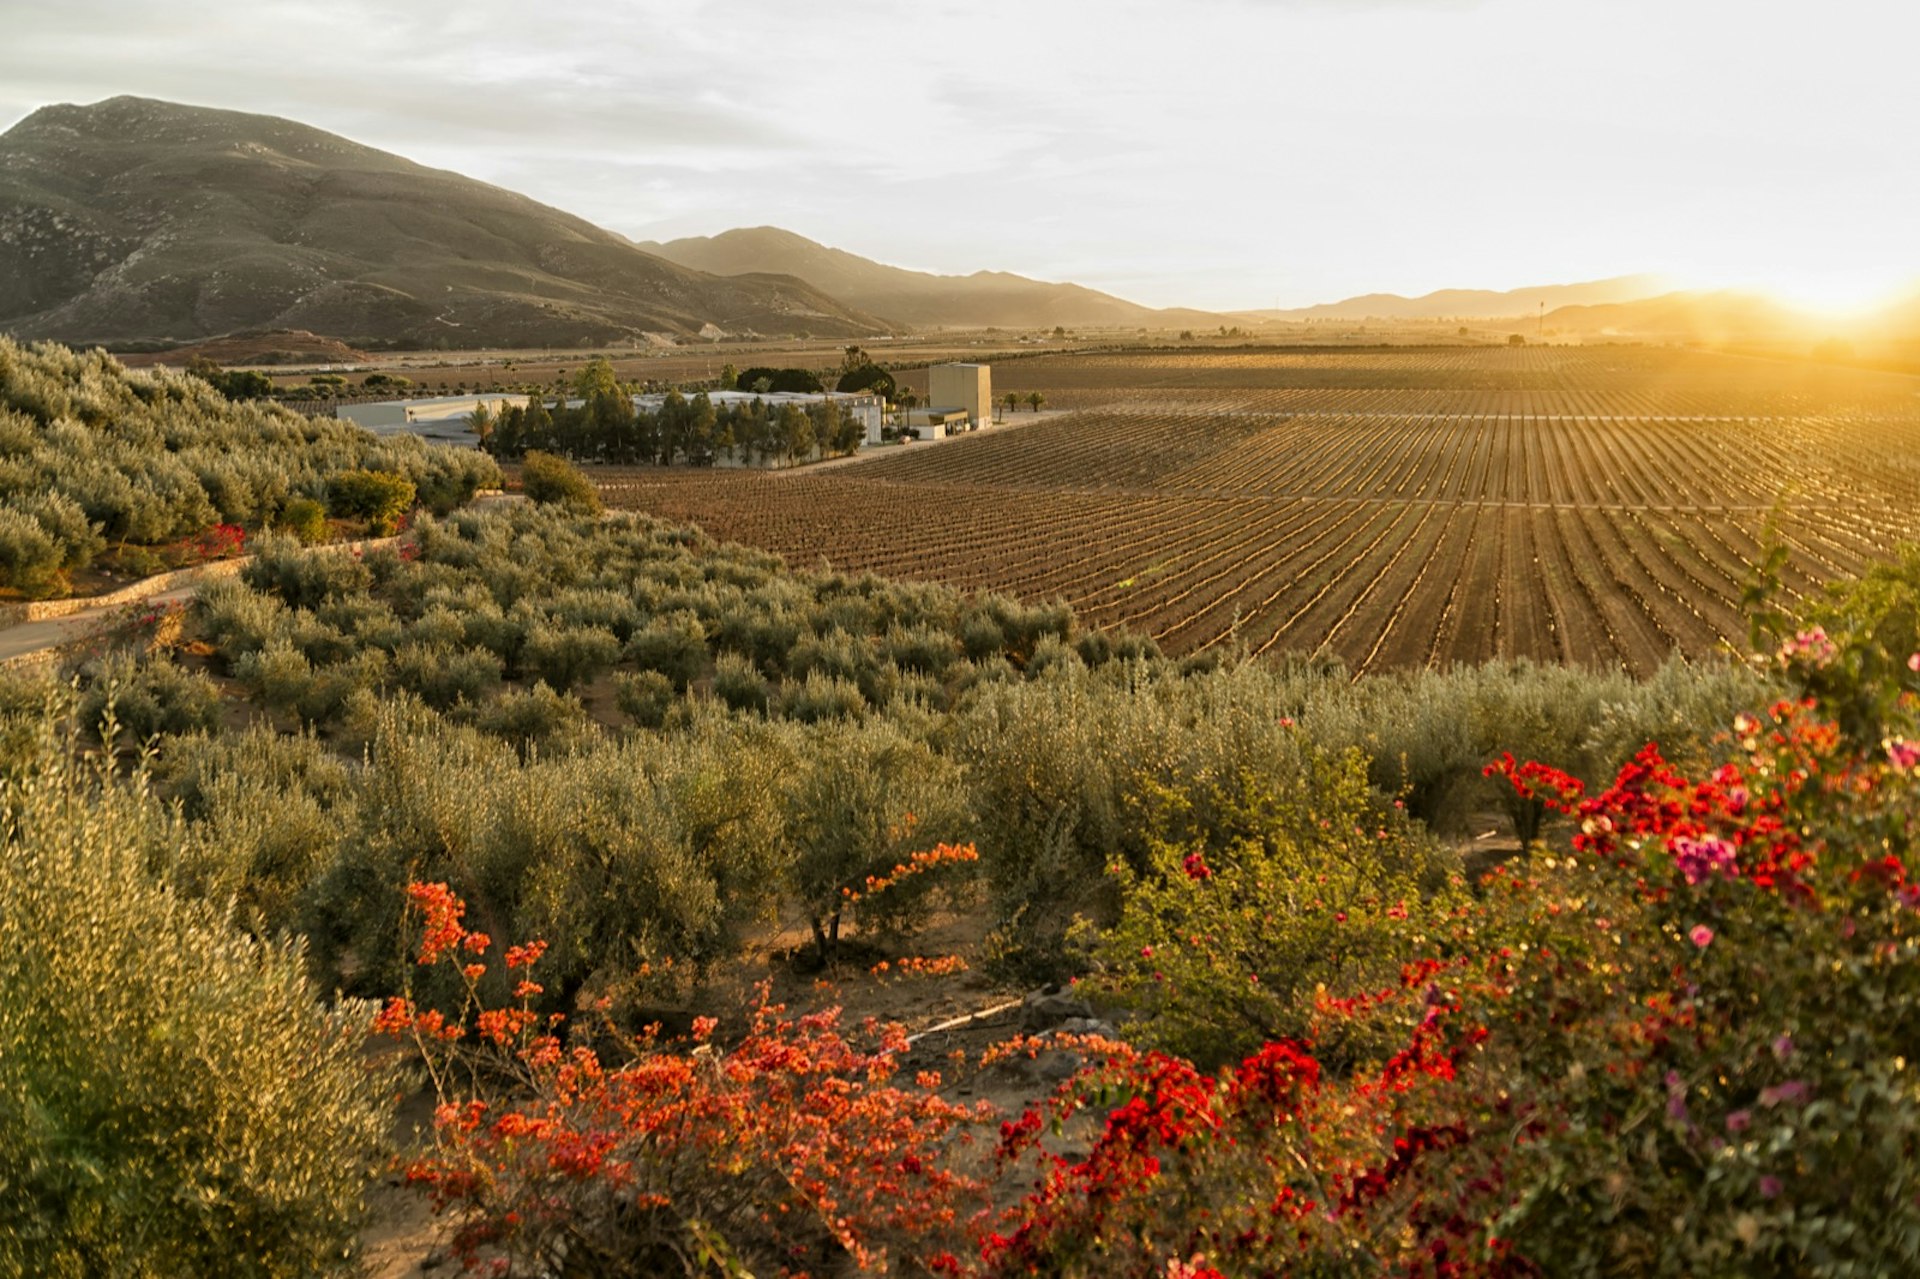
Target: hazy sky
{"type": "Point", "coordinates": [1220, 153]}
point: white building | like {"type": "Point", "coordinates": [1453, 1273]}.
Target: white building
{"type": "Point", "coordinates": [962, 386]}
{"type": "Point", "coordinates": [439, 418]}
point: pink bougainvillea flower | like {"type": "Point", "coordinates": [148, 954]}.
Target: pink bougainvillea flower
{"type": "Point", "coordinates": [1699, 859]}
{"type": "Point", "coordinates": [1700, 935]}
{"type": "Point", "coordinates": [1791, 1093]}
{"type": "Point", "coordinates": [1902, 754]}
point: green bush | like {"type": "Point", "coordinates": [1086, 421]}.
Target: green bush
{"type": "Point", "coordinates": [31, 561]}
{"type": "Point", "coordinates": [305, 577]}
{"type": "Point", "coordinates": [174, 1099]}
{"type": "Point", "coordinates": [269, 809]}
{"type": "Point", "coordinates": [304, 519]}
{"type": "Point", "coordinates": [551, 480]}
{"type": "Point", "coordinates": [567, 656]}
{"type": "Point", "coordinates": [645, 697]}
{"type": "Point", "coordinates": [822, 697]}
{"type": "Point", "coordinates": [1262, 891]}
{"type": "Point", "coordinates": [147, 698]}
{"type": "Point", "coordinates": [444, 676]}
{"type": "Point", "coordinates": [537, 720]}
{"type": "Point", "coordinates": [739, 685]}
{"type": "Point", "coordinates": [278, 676]}
{"type": "Point", "coordinates": [675, 646]}
{"type": "Point", "coordinates": [867, 796]}
{"type": "Point", "coordinates": [378, 497]}
{"type": "Point", "coordinates": [924, 650]}
{"type": "Point", "coordinates": [94, 453]}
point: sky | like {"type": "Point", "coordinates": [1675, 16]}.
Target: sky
{"type": "Point", "coordinates": [1212, 153]}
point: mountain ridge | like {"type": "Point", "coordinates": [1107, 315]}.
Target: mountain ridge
{"type": "Point", "coordinates": [136, 218]}
{"type": "Point", "coordinates": [923, 299]}
{"type": "Point", "coordinates": [1475, 304]}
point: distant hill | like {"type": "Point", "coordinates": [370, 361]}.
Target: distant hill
{"type": "Point", "coordinates": [1725, 316]}
{"type": "Point", "coordinates": [1475, 304]}
{"type": "Point", "coordinates": [985, 299]}
{"type": "Point", "coordinates": [137, 219]}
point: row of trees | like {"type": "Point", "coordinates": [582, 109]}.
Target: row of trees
{"type": "Point", "coordinates": [601, 423]}
{"type": "Point", "coordinates": [608, 427]}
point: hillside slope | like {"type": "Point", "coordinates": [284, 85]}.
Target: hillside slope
{"type": "Point", "coordinates": [133, 218]}
{"type": "Point", "coordinates": [918, 298]}
{"type": "Point", "coordinates": [1476, 304]}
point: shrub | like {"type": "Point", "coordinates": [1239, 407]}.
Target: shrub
{"type": "Point", "coordinates": [923, 650]}
{"type": "Point", "coordinates": [304, 519]}
{"type": "Point", "coordinates": [797, 1147]}
{"type": "Point", "coordinates": [174, 1099]}
{"type": "Point", "coordinates": [31, 561]}
{"type": "Point", "coordinates": [1218, 949]}
{"type": "Point", "coordinates": [645, 697]}
{"type": "Point", "coordinates": [269, 810]}
{"type": "Point", "coordinates": [378, 497]}
{"type": "Point", "coordinates": [147, 698]}
{"type": "Point", "coordinates": [822, 697]}
{"type": "Point", "coordinates": [739, 685]}
{"type": "Point", "coordinates": [551, 480]}
{"type": "Point", "coordinates": [236, 619]}
{"type": "Point", "coordinates": [566, 656]}
{"type": "Point", "coordinates": [536, 719]}
{"type": "Point", "coordinates": [675, 646]}
{"type": "Point", "coordinates": [305, 577]}
{"type": "Point", "coordinates": [278, 675]}
{"type": "Point", "coordinates": [866, 796]}
{"type": "Point", "coordinates": [836, 653]}
{"type": "Point", "coordinates": [445, 676]}
{"type": "Point", "coordinates": [1677, 1048]}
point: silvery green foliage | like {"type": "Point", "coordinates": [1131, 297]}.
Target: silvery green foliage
{"type": "Point", "coordinates": [93, 453]}
{"type": "Point", "coordinates": [175, 1098]}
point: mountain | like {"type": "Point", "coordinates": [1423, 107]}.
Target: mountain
{"type": "Point", "coordinates": [985, 299]}
{"type": "Point", "coordinates": [1476, 304]}
{"type": "Point", "coordinates": [1717, 317]}
{"type": "Point", "coordinates": [138, 219]}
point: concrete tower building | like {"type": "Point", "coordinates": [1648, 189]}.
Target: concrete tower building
{"type": "Point", "coordinates": [962, 386]}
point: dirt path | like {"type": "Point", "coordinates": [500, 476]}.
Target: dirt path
{"type": "Point", "coordinates": [29, 642]}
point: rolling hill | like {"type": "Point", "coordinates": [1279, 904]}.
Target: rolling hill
{"type": "Point", "coordinates": [1476, 304]}
{"type": "Point", "coordinates": [918, 298]}
{"type": "Point", "coordinates": [134, 219]}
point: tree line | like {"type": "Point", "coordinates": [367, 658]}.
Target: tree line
{"type": "Point", "coordinates": [605, 425]}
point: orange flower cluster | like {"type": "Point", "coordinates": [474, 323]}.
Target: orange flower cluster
{"type": "Point", "coordinates": [916, 864]}
{"type": "Point", "coordinates": [920, 966]}
{"type": "Point", "coordinates": [826, 1146]}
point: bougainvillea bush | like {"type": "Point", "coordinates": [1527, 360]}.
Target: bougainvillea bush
{"type": "Point", "coordinates": [802, 1147]}
{"type": "Point", "coordinates": [1677, 1041]}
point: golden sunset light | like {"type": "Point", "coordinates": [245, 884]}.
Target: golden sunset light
{"type": "Point", "coordinates": [959, 639]}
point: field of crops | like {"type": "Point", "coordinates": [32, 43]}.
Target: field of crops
{"type": "Point", "coordinates": [1595, 505]}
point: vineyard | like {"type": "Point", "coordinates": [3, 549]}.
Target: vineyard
{"type": "Point", "coordinates": [1600, 506]}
